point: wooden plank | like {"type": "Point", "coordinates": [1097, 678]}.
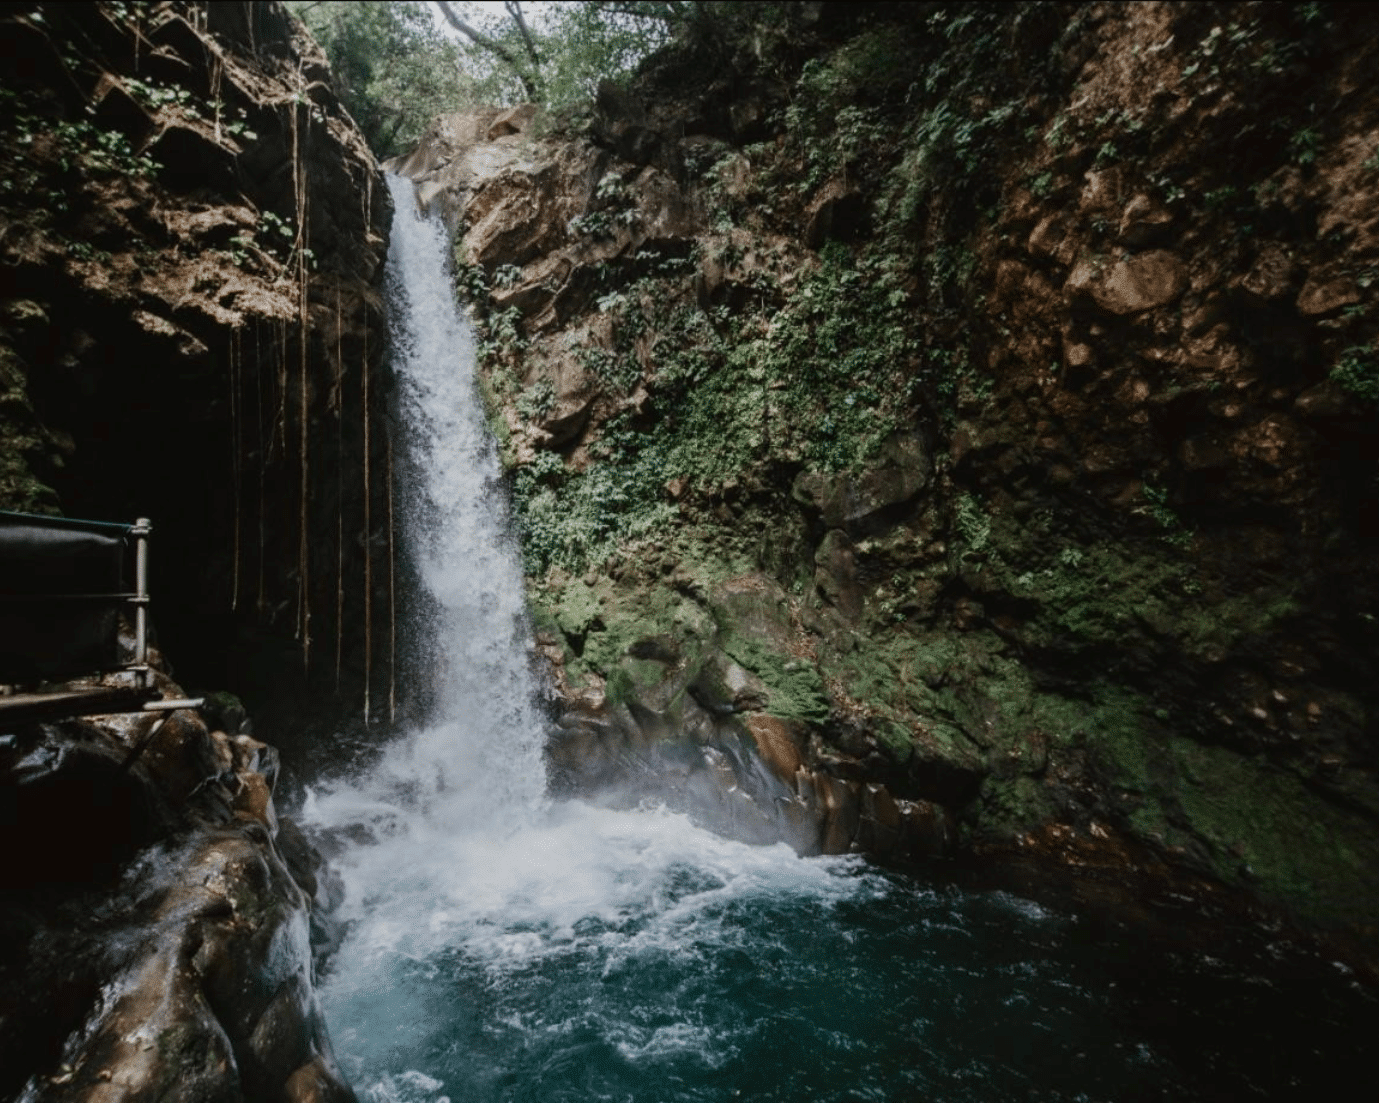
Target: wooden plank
{"type": "Point", "coordinates": [37, 708]}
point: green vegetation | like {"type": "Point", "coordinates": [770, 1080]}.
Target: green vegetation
{"type": "Point", "coordinates": [823, 384]}
{"type": "Point", "coordinates": [1156, 507]}
{"type": "Point", "coordinates": [572, 519]}
{"type": "Point", "coordinates": [1357, 370]}
{"type": "Point", "coordinates": [393, 69]}
{"type": "Point", "coordinates": [973, 112]}
{"type": "Point", "coordinates": [972, 523]}
{"type": "Point", "coordinates": [159, 96]}
{"type": "Point", "coordinates": [834, 123]}
{"type": "Point", "coordinates": [22, 437]}
{"type": "Point", "coordinates": [560, 55]}
{"type": "Point", "coordinates": [50, 157]}
{"type": "Point", "coordinates": [1241, 820]}
{"type": "Point", "coordinates": [1041, 627]}
{"type": "Point", "coordinates": [795, 689]}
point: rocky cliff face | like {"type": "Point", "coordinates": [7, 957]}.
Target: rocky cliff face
{"type": "Point", "coordinates": [965, 411]}
{"type": "Point", "coordinates": [191, 245]}
{"type": "Point", "coordinates": [191, 242]}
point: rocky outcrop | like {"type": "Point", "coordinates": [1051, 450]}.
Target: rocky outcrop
{"type": "Point", "coordinates": [192, 235]}
{"type": "Point", "coordinates": [692, 718]}
{"type": "Point", "coordinates": [1035, 391]}
{"type": "Point", "coordinates": [695, 719]}
{"type": "Point", "coordinates": [156, 941]}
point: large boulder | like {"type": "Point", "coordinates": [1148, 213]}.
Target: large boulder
{"type": "Point", "coordinates": [1132, 284]}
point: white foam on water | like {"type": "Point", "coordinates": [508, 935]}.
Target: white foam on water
{"type": "Point", "coordinates": [638, 882]}
{"type": "Point", "coordinates": [407, 1087]}
{"type": "Point", "coordinates": [671, 1042]}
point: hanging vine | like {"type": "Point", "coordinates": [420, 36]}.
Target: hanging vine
{"type": "Point", "coordinates": [264, 446]}
{"type": "Point", "coordinates": [304, 434]}
{"type": "Point", "coordinates": [337, 407]}
{"type": "Point", "coordinates": [236, 473]}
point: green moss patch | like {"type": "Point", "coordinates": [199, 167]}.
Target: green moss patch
{"type": "Point", "coordinates": [796, 690]}
{"type": "Point", "coordinates": [1261, 827]}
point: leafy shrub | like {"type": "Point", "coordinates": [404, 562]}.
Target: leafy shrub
{"type": "Point", "coordinates": [822, 380]}
{"type": "Point", "coordinates": [571, 519]}
{"type": "Point", "coordinates": [1357, 371]}
{"type": "Point", "coordinates": [536, 401]}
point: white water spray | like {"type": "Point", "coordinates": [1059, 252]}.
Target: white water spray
{"type": "Point", "coordinates": [456, 527]}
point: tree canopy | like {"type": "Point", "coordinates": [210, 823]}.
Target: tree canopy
{"type": "Point", "coordinates": [393, 67]}
{"type": "Point", "coordinates": [396, 69]}
{"type": "Point", "coordinates": [558, 58]}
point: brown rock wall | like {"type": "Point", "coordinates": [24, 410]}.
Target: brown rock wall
{"type": "Point", "coordinates": [1121, 580]}
{"type": "Point", "coordinates": [191, 241]}
{"type": "Point", "coordinates": [156, 940]}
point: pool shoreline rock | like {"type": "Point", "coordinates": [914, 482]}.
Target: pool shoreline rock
{"type": "Point", "coordinates": [159, 942]}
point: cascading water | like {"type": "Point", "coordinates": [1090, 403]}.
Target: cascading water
{"type": "Point", "coordinates": [502, 947]}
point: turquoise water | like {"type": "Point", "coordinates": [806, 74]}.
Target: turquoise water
{"type": "Point", "coordinates": [631, 956]}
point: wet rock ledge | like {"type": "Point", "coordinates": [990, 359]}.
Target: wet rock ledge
{"type": "Point", "coordinates": [156, 917]}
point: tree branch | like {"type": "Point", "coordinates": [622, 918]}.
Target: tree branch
{"type": "Point", "coordinates": [514, 9]}
{"type": "Point", "coordinates": [493, 46]}
{"type": "Point", "coordinates": [672, 12]}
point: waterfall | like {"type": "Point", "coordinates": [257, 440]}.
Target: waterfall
{"type": "Point", "coordinates": [457, 865]}
{"type": "Point", "coordinates": [502, 946]}
{"type": "Point", "coordinates": [455, 524]}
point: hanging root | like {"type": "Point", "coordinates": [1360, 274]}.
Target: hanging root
{"type": "Point", "coordinates": [337, 403]}
{"type": "Point", "coordinates": [303, 558]}
{"type": "Point", "coordinates": [235, 473]}
{"type": "Point", "coordinates": [217, 67]}
{"type": "Point", "coordinates": [304, 450]}
{"type": "Point", "coordinates": [261, 424]}
{"type": "Point", "coordinates": [280, 425]}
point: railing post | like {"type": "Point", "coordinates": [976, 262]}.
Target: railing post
{"type": "Point", "coordinates": [141, 531]}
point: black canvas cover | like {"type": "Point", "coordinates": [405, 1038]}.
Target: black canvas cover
{"type": "Point", "coordinates": [61, 584]}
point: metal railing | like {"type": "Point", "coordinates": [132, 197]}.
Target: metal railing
{"type": "Point", "coordinates": [63, 584]}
